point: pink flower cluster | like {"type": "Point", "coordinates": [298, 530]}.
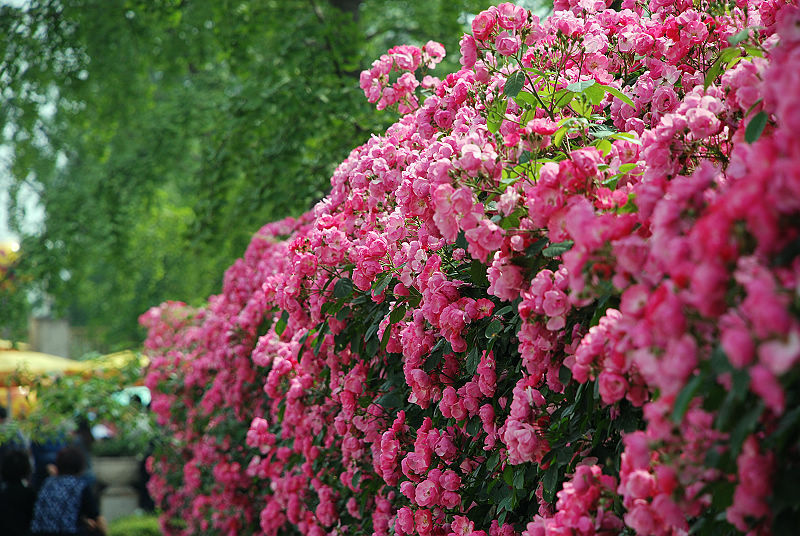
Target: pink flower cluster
{"type": "Point", "coordinates": [600, 207]}
{"type": "Point", "coordinates": [404, 59]}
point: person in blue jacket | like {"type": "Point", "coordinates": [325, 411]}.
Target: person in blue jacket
{"type": "Point", "coordinates": [66, 504]}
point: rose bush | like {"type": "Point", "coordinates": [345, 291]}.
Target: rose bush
{"type": "Point", "coordinates": [561, 295]}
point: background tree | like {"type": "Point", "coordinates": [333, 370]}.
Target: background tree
{"type": "Point", "coordinates": [159, 135]}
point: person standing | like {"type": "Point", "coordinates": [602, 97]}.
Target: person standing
{"type": "Point", "coordinates": [16, 497]}
{"type": "Point", "coordinates": [66, 504]}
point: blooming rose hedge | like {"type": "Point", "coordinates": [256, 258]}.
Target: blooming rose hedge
{"type": "Point", "coordinates": [561, 295]}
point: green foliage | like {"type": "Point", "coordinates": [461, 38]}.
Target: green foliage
{"type": "Point", "coordinates": [59, 402]}
{"type": "Point", "coordinates": [136, 525]}
{"type": "Point", "coordinates": [156, 132]}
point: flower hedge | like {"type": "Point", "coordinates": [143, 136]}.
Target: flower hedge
{"type": "Point", "coordinates": [561, 295]}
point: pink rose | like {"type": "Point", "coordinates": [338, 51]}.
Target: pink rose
{"type": "Point", "coordinates": [664, 99]}
{"type": "Point", "coordinates": [450, 480]}
{"type": "Point", "coordinates": [641, 519]}
{"type": "Point", "coordinates": [510, 16]}
{"type": "Point", "coordinates": [555, 303]}
{"type": "Point", "coordinates": [640, 484]}
{"type": "Point", "coordinates": [406, 57]}
{"type": "Point", "coordinates": [427, 493]}
{"type": "Point", "coordinates": [469, 51]}
{"type": "Point", "coordinates": [507, 44]}
{"type": "Point", "coordinates": [483, 24]}
{"type": "Point", "coordinates": [405, 520]}
{"type": "Point", "coordinates": [612, 386]}
{"type": "Point", "coordinates": [424, 521]}
{"type": "Point", "coordinates": [432, 53]}
{"type": "Point", "coordinates": [542, 126]}
{"type": "Point", "coordinates": [702, 123]}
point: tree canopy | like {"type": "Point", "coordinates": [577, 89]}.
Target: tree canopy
{"type": "Point", "coordinates": [159, 135]}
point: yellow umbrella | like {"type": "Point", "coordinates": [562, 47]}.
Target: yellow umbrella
{"type": "Point", "coordinates": [37, 363]}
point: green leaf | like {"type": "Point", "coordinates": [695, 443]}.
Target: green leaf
{"type": "Point", "coordinates": [601, 132]}
{"type": "Point", "coordinates": [526, 97]}
{"type": "Point", "coordinates": [629, 207]}
{"type": "Point", "coordinates": [554, 250]}
{"type": "Point", "coordinates": [525, 157]}
{"type": "Point", "coordinates": [501, 519]}
{"type": "Point", "coordinates": [505, 310]}
{"type": "Point", "coordinates": [510, 222]}
{"type": "Point", "coordinates": [716, 68]}
{"type": "Point", "coordinates": [381, 285]}
{"type": "Point", "coordinates": [474, 426]}
{"type": "Point", "coordinates": [562, 98]}
{"type": "Point", "coordinates": [549, 483]}
{"type": "Point", "coordinates": [519, 478]}
{"type": "Point", "coordinates": [398, 314]}
{"type": "Point", "coordinates": [619, 94]}
{"type": "Point", "coordinates": [558, 136]}
{"type": "Point", "coordinates": [508, 475]}
{"type": "Point", "coordinates": [742, 35]}
{"type": "Point", "coordinates": [387, 334]}
{"type": "Point", "coordinates": [491, 463]}
{"type": "Point", "coordinates": [786, 425]}
{"type": "Point", "coordinates": [753, 51]}
{"type": "Point", "coordinates": [627, 136]}
{"type": "Point", "coordinates": [433, 361]}
{"type": "Point", "coordinates": [744, 427]}
{"type": "Point", "coordinates": [496, 114]}
{"type": "Point", "coordinates": [280, 326]}
{"type": "Point", "coordinates": [580, 87]}
{"type": "Point", "coordinates": [390, 400]}
{"type": "Point", "coordinates": [604, 146]}
{"type": "Point", "coordinates": [534, 249]}
{"type": "Point", "coordinates": [595, 93]}
{"type": "Point", "coordinates": [477, 271]}
{"type": "Point", "coordinates": [473, 359]}
{"type": "Point", "coordinates": [343, 288]}
{"type": "Point", "coordinates": [493, 329]}
{"type": "Point", "coordinates": [685, 397]}
{"type": "Point", "coordinates": [371, 330]}
{"type": "Point", "coordinates": [600, 311]}
{"type": "Point", "coordinates": [514, 84]}
{"type": "Point", "coordinates": [738, 37]}
{"type": "Point", "coordinates": [755, 127]}
{"type": "Point", "coordinates": [564, 375]}
{"type": "Point", "coordinates": [581, 107]}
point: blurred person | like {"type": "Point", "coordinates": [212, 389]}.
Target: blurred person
{"type": "Point", "coordinates": [66, 504]}
{"type": "Point", "coordinates": [143, 426]}
{"type": "Point", "coordinates": [16, 497]}
{"type": "Point", "coordinates": [83, 439]}
{"type": "Point", "coordinates": [44, 455]}
{"type": "Point", "coordinates": [11, 438]}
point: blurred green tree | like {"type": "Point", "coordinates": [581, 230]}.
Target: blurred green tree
{"type": "Point", "coordinates": [159, 135]}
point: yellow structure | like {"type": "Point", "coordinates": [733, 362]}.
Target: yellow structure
{"type": "Point", "coordinates": [16, 363]}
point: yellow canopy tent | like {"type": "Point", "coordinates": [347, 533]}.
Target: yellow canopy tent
{"type": "Point", "coordinates": [36, 363]}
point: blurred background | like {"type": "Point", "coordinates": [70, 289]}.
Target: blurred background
{"type": "Point", "coordinates": [143, 142]}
